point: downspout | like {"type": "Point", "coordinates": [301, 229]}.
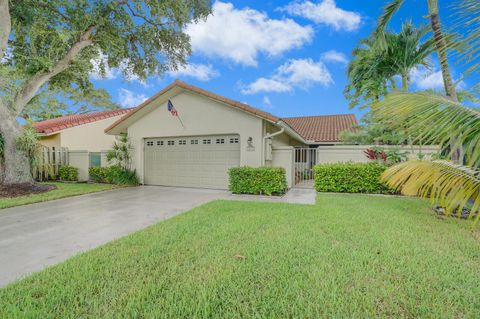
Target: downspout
{"type": "Point", "coordinates": [274, 134]}
{"type": "Point", "coordinates": [265, 143]}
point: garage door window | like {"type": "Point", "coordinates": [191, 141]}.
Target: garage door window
{"type": "Point", "coordinates": [207, 141]}
{"type": "Point", "coordinates": [194, 142]}
{"type": "Point", "coordinates": [182, 142]}
{"type": "Point", "coordinates": [150, 143]}
{"type": "Point", "coordinates": [159, 143]}
{"type": "Point", "coordinates": [171, 142]}
{"type": "Point", "coordinates": [234, 141]}
{"type": "Point", "coordinates": [220, 141]}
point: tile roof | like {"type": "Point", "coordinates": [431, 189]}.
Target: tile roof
{"type": "Point", "coordinates": [64, 122]}
{"type": "Point", "coordinates": [323, 128]}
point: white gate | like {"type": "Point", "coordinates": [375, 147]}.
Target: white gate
{"type": "Point", "coordinates": [305, 160]}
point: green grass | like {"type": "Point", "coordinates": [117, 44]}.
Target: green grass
{"type": "Point", "coordinates": [348, 256]}
{"type": "Point", "coordinates": [63, 190]}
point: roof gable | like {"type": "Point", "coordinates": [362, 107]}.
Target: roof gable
{"type": "Point", "coordinates": [61, 123]}
{"type": "Point", "coordinates": [190, 88]}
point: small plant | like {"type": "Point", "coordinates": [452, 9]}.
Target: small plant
{"type": "Point", "coordinates": [98, 174]}
{"type": "Point", "coordinates": [389, 157]}
{"type": "Point", "coordinates": [395, 156]}
{"type": "Point", "coordinates": [68, 173]}
{"type": "Point", "coordinates": [113, 175]}
{"type": "Point", "coordinates": [120, 154]}
{"type": "Point", "coordinates": [28, 144]}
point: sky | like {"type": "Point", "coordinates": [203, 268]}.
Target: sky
{"type": "Point", "coordinates": [288, 58]}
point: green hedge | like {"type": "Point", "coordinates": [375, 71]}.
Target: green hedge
{"type": "Point", "coordinates": [113, 175]}
{"type": "Point", "coordinates": [258, 181]}
{"type": "Point", "coordinates": [68, 173]}
{"type": "Point", "coordinates": [351, 178]}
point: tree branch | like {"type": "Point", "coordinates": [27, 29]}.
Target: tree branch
{"type": "Point", "coordinates": [5, 26]}
{"type": "Point", "coordinates": [31, 87]}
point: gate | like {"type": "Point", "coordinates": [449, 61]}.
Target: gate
{"type": "Point", "coordinates": [305, 160]}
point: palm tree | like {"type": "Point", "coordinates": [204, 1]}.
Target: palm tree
{"type": "Point", "coordinates": [439, 39]}
{"type": "Point", "coordinates": [372, 68]}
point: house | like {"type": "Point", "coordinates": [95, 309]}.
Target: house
{"type": "Point", "coordinates": [83, 132]}
{"type": "Point", "coordinates": [212, 133]}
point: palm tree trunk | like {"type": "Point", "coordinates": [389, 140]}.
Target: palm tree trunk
{"type": "Point", "coordinates": [405, 81]}
{"type": "Point", "coordinates": [441, 47]}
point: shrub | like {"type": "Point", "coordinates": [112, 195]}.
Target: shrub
{"type": "Point", "coordinates": [68, 173]}
{"type": "Point", "coordinates": [113, 175]}
{"type": "Point", "coordinates": [258, 181]}
{"type": "Point", "coordinates": [98, 174]}
{"type": "Point", "coordinates": [351, 178]}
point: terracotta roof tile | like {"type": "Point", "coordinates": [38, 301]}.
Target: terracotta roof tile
{"type": "Point", "coordinates": [64, 122]}
{"type": "Point", "coordinates": [323, 128]}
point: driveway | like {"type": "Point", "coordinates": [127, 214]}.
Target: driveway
{"type": "Point", "coordinates": [35, 236]}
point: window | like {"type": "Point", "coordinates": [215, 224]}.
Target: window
{"type": "Point", "coordinates": [150, 143]}
{"type": "Point", "coordinates": [95, 159]}
{"type": "Point", "coordinates": [182, 142]}
{"type": "Point", "coordinates": [207, 141]}
{"type": "Point", "coordinates": [234, 140]}
{"type": "Point", "coordinates": [220, 141]}
{"type": "Point", "coordinates": [171, 143]}
{"type": "Point", "coordinates": [194, 142]}
{"type": "Point", "coordinates": [159, 143]}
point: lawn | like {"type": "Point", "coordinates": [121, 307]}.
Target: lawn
{"type": "Point", "coordinates": [347, 256]}
{"type": "Point", "coordinates": [63, 190]}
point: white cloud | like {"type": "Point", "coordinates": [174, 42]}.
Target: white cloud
{"type": "Point", "coordinates": [335, 56]}
{"type": "Point", "coordinates": [99, 63]}
{"type": "Point", "coordinates": [240, 35]}
{"type": "Point", "coordinates": [201, 72]}
{"type": "Point", "coordinates": [295, 73]}
{"type": "Point", "coordinates": [424, 79]}
{"type": "Point", "coordinates": [325, 12]}
{"type": "Point", "coordinates": [266, 102]}
{"type": "Point", "coordinates": [128, 98]}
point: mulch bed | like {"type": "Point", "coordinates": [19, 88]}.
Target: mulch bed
{"type": "Point", "coordinates": [15, 190]}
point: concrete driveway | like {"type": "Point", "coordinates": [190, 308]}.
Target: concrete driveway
{"type": "Point", "coordinates": [35, 236]}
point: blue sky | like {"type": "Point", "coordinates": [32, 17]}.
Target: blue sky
{"type": "Point", "coordinates": [286, 57]}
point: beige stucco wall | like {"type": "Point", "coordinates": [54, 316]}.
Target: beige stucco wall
{"type": "Point", "coordinates": [200, 116]}
{"type": "Point", "coordinates": [51, 141]}
{"type": "Point", "coordinates": [80, 160]}
{"type": "Point", "coordinates": [355, 153]}
{"type": "Point", "coordinates": [90, 136]}
{"type": "Point", "coordinates": [284, 157]}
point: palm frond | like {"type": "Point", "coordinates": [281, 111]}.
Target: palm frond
{"type": "Point", "coordinates": [388, 12]}
{"type": "Point", "coordinates": [467, 14]}
{"type": "Point", "coordinates": [452, 186]}
{"type": "Point", "coordinates": [432, 118]}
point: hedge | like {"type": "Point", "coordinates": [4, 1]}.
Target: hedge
{"type": "Point", "coordinates": [258, 180]}
{"type": "Point", "coordinates": [68, 173]}
{"type": "Point", "coordinates": [113, 175]}
{"type": "Point", "coordinates": [351, 178]}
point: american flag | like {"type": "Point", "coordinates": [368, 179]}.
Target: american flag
{"type": "Point", "coordinates": [172, 109]}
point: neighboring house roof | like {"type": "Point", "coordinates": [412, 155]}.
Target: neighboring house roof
{"type": "Point", "coordinates": [194, 89]}
{"type": "Point", "coordinates": [322, 128]}
{"type": "Point", "coordinates": [64, 122]}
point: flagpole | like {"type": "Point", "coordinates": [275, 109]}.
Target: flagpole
{"type": "Point", "coordinates": [180, 121]}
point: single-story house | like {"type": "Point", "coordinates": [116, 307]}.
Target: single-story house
{"type": "Point", "coordinates": [82, 132]}
{"type": "Point", "coordinates": [212, 134]}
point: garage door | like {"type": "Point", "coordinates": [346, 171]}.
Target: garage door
{"type": "Point", "coordinates": [197, 161]}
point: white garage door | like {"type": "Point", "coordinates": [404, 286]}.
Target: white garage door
{"type": "Point", "coordinates": [197, 161]}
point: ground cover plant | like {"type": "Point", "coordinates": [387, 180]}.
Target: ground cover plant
{"type": "Point", "coordinates": [60, 190]}
{"type": "Point", "coordinates": [348, 256]}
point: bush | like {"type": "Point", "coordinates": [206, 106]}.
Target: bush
{"type": "Point", "coordinates": [98, 174]}
{"type": "Point", "coordinates": [258, 181]}
{"type": "Point", "coordinates": [351, 178]}
{"type": "Point", "coordinates": [68, 173]}
{"type": "Point", "coordinates": [113, 175]}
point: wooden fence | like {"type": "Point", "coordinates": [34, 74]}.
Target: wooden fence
{"type": "Point", "coordinates": [48, 163]}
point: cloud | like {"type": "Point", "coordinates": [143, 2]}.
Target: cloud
{"type": "Point", "coordinates": [128, 98]}
{"type": "Point", "coordinates": [201, 72]}
{"type": "Point", "coordinates": [240, 35]}
{"type": "Point", "coordinates": [424, 79]}
{"type": "Point", "coordinates": [295, 73]}
{"type": "Point", "coordinates": [101, 64]}
{"type": "Point", "coordinates": [325, 12]}
{"type": "Point", "coordinates": [266, 102]}
{"type": "Point", "coordinates": [334, 56]}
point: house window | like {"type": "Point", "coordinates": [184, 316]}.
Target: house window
{"type": "Point", "coordinates": [234, 140]}
{"type": "Point", "coordinates": [207, 141]}
{"type": "Point", "coordinates": [220, 141]}
{"type": "Point", "coordinates": [159, 143]}
{"type": "Point", "coordinates": [95, 159]}
{"type": "Point", "coordinates": [171, 142]}
{"type": "Point", "coordinates": [182, 142]}
{"type": "Point", "coordinates": [150, 143]}
{"type": "Point", "coordinates": [194, 142]}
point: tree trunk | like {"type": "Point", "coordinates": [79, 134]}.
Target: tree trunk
{"type": "Point", "coordinates": [441, 47]}
{"type": "Point", "coordinates": [16, 163]}
{"type": "Point", "coordinates": [405, 82]}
